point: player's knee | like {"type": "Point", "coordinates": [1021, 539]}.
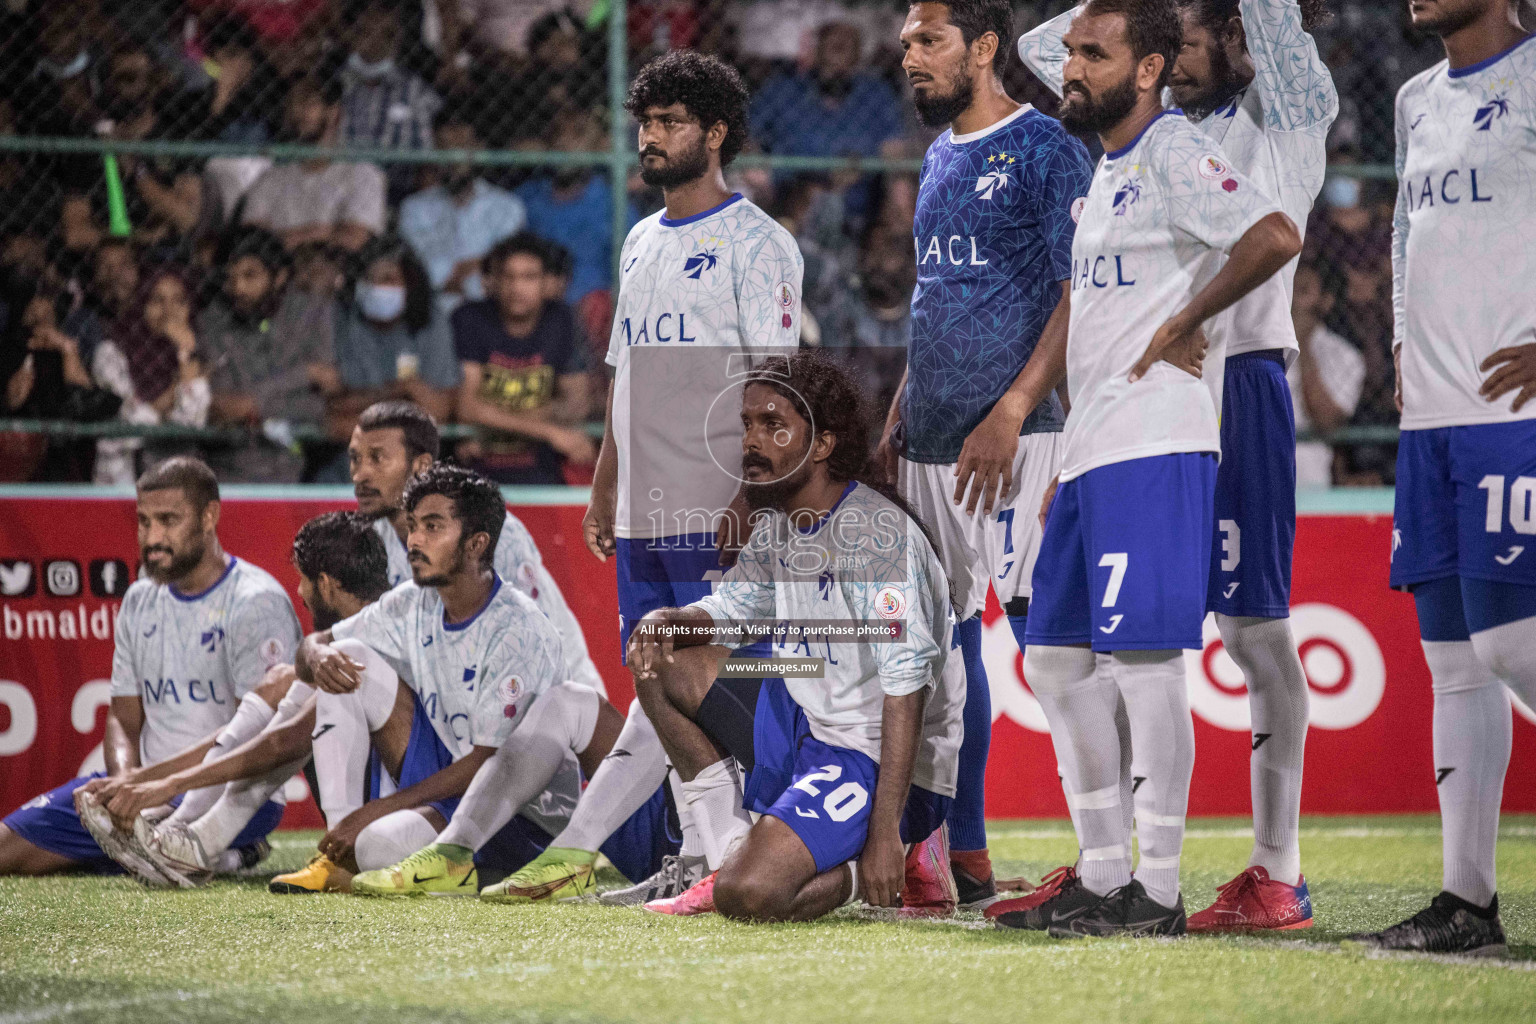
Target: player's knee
{"type": "Point", "coordinates": [17, 856]}
{"type": "Point", "coordinates": [1508, 657]}
{"type": "Point", "coordinates": [745, 896]}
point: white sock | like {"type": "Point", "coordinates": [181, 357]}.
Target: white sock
{"type": "Point", "coordinates": [293, 702]}
{"type": "Point", "coordinates": [1163, 734]}
{"type": "Point", "coordinates": [391, 839]}
{"type": "Point", "coordinates": [344, 723]}
{"type": "Point", "coordinates": [1277, 699]}
{"type": "Point", "coordinates": [238, 804]}
{"type": "Point", "coordinates": [853, 876]}
{"type": "Point", "coordinates": [1510, 652]}
{"type": "Point", "coordinates": [626, 779]}
{"type": "Point", "coordinates": [251, 716]}
{"type": "Point", "coordinates": [693, 842]}
{"type": "Point", "coordinates": [510, 778]}
{"type": "Point", "coordinates": [1082, 721]}
{"type": "Point", "coordinates": [1102, 665]}
{"type": "Point", "coordinates": [714, 803]}
{"type": "Point", "coordinates": [1472, 728]}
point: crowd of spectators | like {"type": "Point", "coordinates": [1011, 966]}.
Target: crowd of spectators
{"type": "Point", "coordinates": [244, 292]}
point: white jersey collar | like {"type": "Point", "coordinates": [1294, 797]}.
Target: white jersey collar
{"type": "Point", "coordinates": [960, 140]}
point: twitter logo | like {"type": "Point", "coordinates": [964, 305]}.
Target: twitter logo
{"type": "Point", "coordinates": [16, 578]}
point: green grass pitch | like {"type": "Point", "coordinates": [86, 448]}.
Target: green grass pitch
{"type": "Point", "coordinates": [86, 948]}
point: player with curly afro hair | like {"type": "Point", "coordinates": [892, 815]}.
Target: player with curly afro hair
{"type": "Point", "coordinates": [692, 110]}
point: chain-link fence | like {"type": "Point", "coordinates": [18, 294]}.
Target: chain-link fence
{"type": "Point", "coordinates": [208, 208]}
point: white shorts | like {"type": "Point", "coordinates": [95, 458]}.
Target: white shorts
{"type": "Point", "coordinates": [978, 549]}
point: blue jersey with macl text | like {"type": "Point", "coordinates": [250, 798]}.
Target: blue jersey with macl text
{"type": "Point", "coordinates": [993, 241]}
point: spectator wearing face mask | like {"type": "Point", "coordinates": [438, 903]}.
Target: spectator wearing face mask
{"type": "Point", "coordinates": [270, 356]}
{"type": "Point", "coordinates": [453, 225]}
{"type": "Point", "coordinates": [391, 339]}
{"type": "Point", "coordinates": [335, 202]}
{"type": "Point", "coordinates": [384, 105]}
{"type": "Point", "coordinates": [150, 360]}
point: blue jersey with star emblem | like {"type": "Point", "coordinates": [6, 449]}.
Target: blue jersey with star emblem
{"type": "Point", "coordinates": [993, 236]}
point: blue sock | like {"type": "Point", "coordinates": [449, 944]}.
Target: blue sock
{"type": "Point", "coordinates": [967, 815]}
{"type": "Point", "coordinates": [1017, 624]}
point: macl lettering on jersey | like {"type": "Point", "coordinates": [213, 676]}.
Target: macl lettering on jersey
{"type": "Point", "coordinates": [1100, 272]}
{"type": "Point", "coordinates": [166, 691]}
{"type": "Point", "coordinates": [1454, 186]}
{"type": "Point", "coordinates": [945, 251]}
{"type": "Point", "coordinates": [666, 327]}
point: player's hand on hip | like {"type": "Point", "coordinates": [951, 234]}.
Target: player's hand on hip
{"type": "Point", "coordinates": [986, 460]}
{"type": "Point", "coordinates": [129, 800]}
{"type": "Point", "coordinates": [1050, 496]}
{"type": "Point", "coordinates": [597, 525]}
{"type": "Point", "coordinates": [882, 869]}
{"type": "Point", "coordinates": [650, 644]}
{"type": "Point", "coordinates": [1516, 372]}
{"type": "Point", "coordinates": [334, 672]}
{"type": "Point", "coordinates": [1177, 342]}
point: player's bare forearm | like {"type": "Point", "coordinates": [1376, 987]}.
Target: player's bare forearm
{"type": "Point", "coordinates": [450, 782]}
{"type": "Point", "coordinates": [120, 746]}
{"type": "Point", "coordinates": [882, 862]}
{"type": "Point", "coordinates": [308, 653]}
{"type": "Point", "coordinates": [1046, 367]}
{"type": "Point", "coordinates": [893, 415]}
{"type": "Point", "coordinates": [660, 632]}
{"type": "Point", "coordinates": [262, 753]}
{"type": "Point", "coordinates": [186, 759]}
{"type": "Point", "coordinates": [1259, 255]}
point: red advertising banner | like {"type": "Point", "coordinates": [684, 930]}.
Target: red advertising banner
{"type": "Point", "coordinates": [66, 561]}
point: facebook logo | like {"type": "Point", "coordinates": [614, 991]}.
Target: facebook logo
{"type": "Point", "coordinates": [109, 577]}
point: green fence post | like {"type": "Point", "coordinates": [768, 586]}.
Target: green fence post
{"type": "Point", "coordinates": [621, 145]}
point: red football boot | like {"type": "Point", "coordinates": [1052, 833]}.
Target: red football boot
{"type": "Point", "coordinates": [929, 888]}
{"type": "Point", "coordinates": [1050, 886]}
{"type": "Point", "coordinates": [698, 900]}
{"type": "Point", "coordinates": [1255, 902]}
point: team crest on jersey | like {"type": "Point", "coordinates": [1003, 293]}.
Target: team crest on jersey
{"type": "Point", "coordinates": [695, 265]}
{"type": "Point", "coordinates": [210, 639]}
{"type": "Point", "coordinates": [1495, 107]}
{"type": "Point", "coordinates": [1126, 195]}
{"type": "Point", "coordinates": [996, 177]}
{"type": "Point", "coordinates": [890, 602]}
{"type": "Point", "coordinates": [271, 651]}
{"type": "Point", "coordinates": [527, 581]}
{"type": "Point", "coordinates": [509, 691]}
{"type": "Point", "coordinates": [1212, 169]}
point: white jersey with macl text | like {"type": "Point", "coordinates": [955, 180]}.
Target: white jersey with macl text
{"type": "Point", "coordinates": [1160, 218]}
{"type": "Point", "coordinates": [866, 561]}
{"type": "Point", "coordinates": [517, 561]}
{"type": "Point", "coordinates": [696, 296]}
{"type": "Point", "coordinates": [475, 679]}
{"type": "Point", "coordinates": [1464, 235]}
{"type": "Point", "coordinates": [1275, 131]}
{"type": "Point", "coordinates": [191, 657]}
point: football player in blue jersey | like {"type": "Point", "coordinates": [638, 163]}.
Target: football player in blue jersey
{"type": "Point", "coordinates": [972, 438]}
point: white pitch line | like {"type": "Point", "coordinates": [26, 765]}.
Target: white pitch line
{"type": "Point", "coordinates": [1509, 832]}
{"type": "Point", "coordinates": [52, 1011]}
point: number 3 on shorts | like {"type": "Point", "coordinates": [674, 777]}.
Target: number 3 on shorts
{"type": "Point", "coordinates": [843, 802]}
{"type": "Point", "coordinates": [1117, 561]}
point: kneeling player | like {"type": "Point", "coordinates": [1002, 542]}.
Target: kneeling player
{"type": "Point", "coordinates": [342, 568]}
{"type": "Point", "coordinates": [192, 640]}
{"type": "Point", "coordinates": [857, 764]}
{"type": "Point", "coordinates": [430, 679]}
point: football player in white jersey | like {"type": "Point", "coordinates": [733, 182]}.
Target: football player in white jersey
{"type": "Point", "coordinates": [341, 569]}
{"type": "Point", "coordinates": [395, 440]}
{"type": "Point", "coordinates": [1462, 268]}
{"type": "Point", "coordinates": [1250, 76]}
{"type": "Point", "coordinates": [852, 768]}
{"type": "Point", "coordinates": [704, 283]}
{"type": "Point", "coordinates": [432, 677]}
{"type": "Point", "coordinates": [1170, 236]}
{"type": "Point", "coordinates": [194, 638]}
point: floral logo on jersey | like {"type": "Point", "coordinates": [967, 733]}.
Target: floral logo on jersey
{"type": "Point", "coordinates": [695, 265]}
{"type": "Point", "coordinates": [824, 584]}
{"type": "Point", "coordinates": [996, 177]}
{"type": "Point", "coordinates": [1126, 196]}
{"type": "Point", "coordinates": [211, 638]}
{"type": "Point", "coordinates": [469, 676]}
{"type": "Point", "coordinates": [1496, 108]}
{"type": "Point", "coordinates": [509, 692]}
{"type": "Point", "coordinates": [890, 602]}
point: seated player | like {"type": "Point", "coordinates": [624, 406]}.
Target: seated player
{"type": "Point", "coordinates": [532, 768]}
{"type": "Point", "coordinates": [342, 569]}
{"type": "Point", "coordinates": [846, 771]}
{"type": "Point", "coordinates": [194, 637]}
{"type": "Point", "coordinates": [430, 679]}
{"type": "Point", "coordinates": [394, 441]}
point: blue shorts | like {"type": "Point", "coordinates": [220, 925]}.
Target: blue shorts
{"type": "Point", "coordinates": [50, 823]}
{"type": "Point", "coordinates": [667, 572]}
{"type": "Point", "coordinates": [1255, 490]}
{"type": "Point", "coordinates": [1125, 560]}
{"type": "Point", "coordinates": [1466, 504]}
{"type": "Point", "coordinates": [822, 792]}
{"type": "Point", "coordinates": [638, 845]}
